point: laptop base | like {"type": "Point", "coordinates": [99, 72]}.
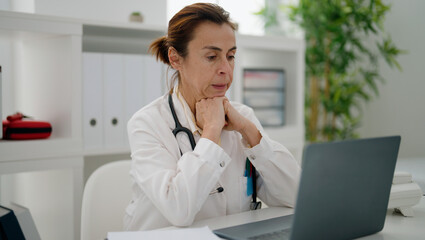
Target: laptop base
{"type": "Point", "coordinates": [249, 230]}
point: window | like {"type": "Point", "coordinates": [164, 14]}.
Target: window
{"type": "Point", "coordinates": [241, 12]}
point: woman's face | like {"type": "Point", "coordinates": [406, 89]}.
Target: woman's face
{"type": "Point", "coordinates": [207, 70]}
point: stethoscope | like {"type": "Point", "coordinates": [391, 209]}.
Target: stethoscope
{"type": "Point", "coordinates": [179, 128]}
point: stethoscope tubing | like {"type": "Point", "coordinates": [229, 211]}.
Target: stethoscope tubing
{"type": "Point", "coordinates": [179, 127]}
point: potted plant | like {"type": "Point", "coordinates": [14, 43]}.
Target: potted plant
{"type": "Point", "coordinates": [136, 17]}
{"type": "Point", "coordinates": [344, 41]}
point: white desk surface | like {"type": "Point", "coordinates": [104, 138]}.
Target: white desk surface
{"type": "Point", "coordinates": [397, 227]}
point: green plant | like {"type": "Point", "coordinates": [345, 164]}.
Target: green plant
{"type": "Point", "coordinates": [344, 41]}
{"type": "Point", "coordinates": [269, 15]}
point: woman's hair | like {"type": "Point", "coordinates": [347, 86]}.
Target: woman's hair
{"type": "Point", "coordinates": [181, 28]}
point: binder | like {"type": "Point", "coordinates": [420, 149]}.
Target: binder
{"type": "Point", "coordinates": [134, 78]}
{"type": "Point", "coordinates": [115, 87]}
{"type": "Point", "coordinates": [114, 121]}
{"type": "Point", "coordinates": [153, 79]}
{"type": "Point", "coordinates": [93, 100]}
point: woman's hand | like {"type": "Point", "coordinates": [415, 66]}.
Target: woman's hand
{"type": "Point", "coordinates": [237, 122]}
{"type": "Point", "coordinates": [210, 117]}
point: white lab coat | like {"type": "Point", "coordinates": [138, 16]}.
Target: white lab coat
{"type": "Point", "coordinates": [174, 189]}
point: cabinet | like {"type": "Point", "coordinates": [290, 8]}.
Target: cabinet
{"type": "Point", "coordinates": [43, 63]}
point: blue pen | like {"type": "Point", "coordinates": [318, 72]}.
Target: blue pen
{"type": "Point", "coordinates": [248, 174]}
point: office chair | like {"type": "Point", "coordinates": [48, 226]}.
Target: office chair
{"type": "Point", "coordinates": [106, 195]}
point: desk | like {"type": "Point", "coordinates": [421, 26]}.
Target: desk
{"type": "Point", "coordinates": [396, 226]}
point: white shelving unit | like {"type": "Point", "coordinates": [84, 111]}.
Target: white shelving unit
{"type": "Point", "coordinates": [41, 77]}
{"type": "Point", "coordinates": [41, 58]}
{"type": "Point", "coordinates": [272, 52]}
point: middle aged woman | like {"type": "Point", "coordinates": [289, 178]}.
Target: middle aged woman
{"type": "Point", "coordinates": [176, 182]}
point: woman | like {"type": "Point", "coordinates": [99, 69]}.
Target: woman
{"type": "Point", "coordinates": [176, 182]}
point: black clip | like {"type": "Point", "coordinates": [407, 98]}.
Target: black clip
{"type": "Point", "coordinates": [255, 205]}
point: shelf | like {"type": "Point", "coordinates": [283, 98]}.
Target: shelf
{"type": "Point", "coordinates": [273, 43]}
{"type": "Point", "coordinates": [275, 53]}
{"type": "Point", "coordinates": [63, 25]}
{"type": "Point", "coordinates": [108, 151]}
{"type": "Point", "coordinates": [112, 39]}
{"type": "Point", "coordinates": [16, 150]}
{"type": "Point", "coordinates": [38, 23]}
{"type": "Point", "coordinates": [41, 78]}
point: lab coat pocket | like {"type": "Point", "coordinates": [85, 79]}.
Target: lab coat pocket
{"type": "Point", "coordinates": [244, 199]}
{"type": "Point", "coordinates": [130, 209]}
{"type": "Point", "coordinates": [214, 206]}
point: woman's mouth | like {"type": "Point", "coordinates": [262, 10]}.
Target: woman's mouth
{"type": "Point", "coordinates": [220, 86]}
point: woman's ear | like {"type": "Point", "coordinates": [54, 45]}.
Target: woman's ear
{"type": "Point", "coordinates": [174, 58]}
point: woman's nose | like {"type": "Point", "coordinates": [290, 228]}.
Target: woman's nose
{"type": "Point", "coordinates": [226, 67]}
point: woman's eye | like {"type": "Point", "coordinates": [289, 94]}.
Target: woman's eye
{"type": "Point", "coordinates": [231, 57]}
{"type": "Point", "coordinates": [211, 57]}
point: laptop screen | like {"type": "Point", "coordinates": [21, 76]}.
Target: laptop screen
{"type": "Point", "coordinates": [343, 193]}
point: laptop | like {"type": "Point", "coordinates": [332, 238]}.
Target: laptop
{"type": "Point", "coordinates": [343, 193]}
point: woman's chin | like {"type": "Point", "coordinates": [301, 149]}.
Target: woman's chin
{"type": "Point", "coordinates": [220, 93]}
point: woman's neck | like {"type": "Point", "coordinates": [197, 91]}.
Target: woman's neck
{"type": "Point", "coordinates": [189, 98]}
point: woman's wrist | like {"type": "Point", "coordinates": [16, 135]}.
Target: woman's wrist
{"type": "Point", "coordinates": [250, 133]}
{"type": "Point", "coordinates": [212, 133]}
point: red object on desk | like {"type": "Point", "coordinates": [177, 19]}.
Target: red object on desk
{"type": "Point", "coordinates": [15, 128]}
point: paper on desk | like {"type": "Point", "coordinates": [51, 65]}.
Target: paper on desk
{"type": "Point", "coordinates": [175, 234]}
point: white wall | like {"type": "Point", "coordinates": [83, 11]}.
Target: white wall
{"type": "Point", "coordinates": [35, 192]}
{"type": "Point", "coordinates": [4, 5]}
{"type": "Point", "coordinates": [400, 107]}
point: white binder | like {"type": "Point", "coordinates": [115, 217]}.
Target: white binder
{"type": "Point", "coordinates": [92, 100]}
{"type": "Point", "coordinates": [114, 121]}
{"type": "Point", "coordinates": [134, 78]}
{"type": "Point", "coordinates": [153, 79]}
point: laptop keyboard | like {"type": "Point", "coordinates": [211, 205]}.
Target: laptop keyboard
{"type": "Point", "coordinates": [278, 235]}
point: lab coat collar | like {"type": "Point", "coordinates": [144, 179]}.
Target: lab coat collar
{"type": "Point", "coordinates": [183, 112]}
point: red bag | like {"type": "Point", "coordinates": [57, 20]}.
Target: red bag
{"type": "Point", "coordinates": [14, 128]}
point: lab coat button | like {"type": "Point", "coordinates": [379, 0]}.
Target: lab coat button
{"type": "Point", "coordinates": [252, 156]}
{"type": "Point", "coordinates": [222, 164]}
